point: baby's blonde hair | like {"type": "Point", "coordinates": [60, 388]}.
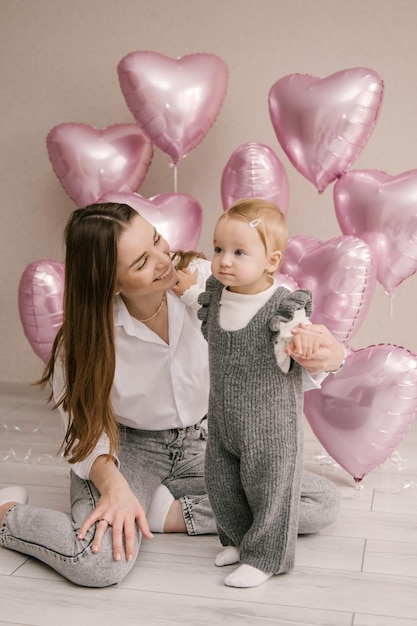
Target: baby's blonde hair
{"type": "Point", "coordinates": [270, 223]}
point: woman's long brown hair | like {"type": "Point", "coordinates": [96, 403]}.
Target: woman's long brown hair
{"type": "Point", "coordinates": [85, 342]}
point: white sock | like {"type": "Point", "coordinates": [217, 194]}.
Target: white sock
{"type": "Point", "coordinates": [159, 507]}
{"type": "Point", "coordinates": [246, 576]}
{"type": "Point", "coordinates": [229, 555]}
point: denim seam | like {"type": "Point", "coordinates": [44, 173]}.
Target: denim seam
{"type": "Point", "coordinates": [187, 508]}
{"type": "Point", "coordinates": [188, 512]}
{"type": "Point", "coordinates": [9, 541]}
{"type": "Point", "coordinates": [3, 526]}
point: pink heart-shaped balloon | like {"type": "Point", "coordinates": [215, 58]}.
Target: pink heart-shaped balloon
{"type": "Point", "coordinates": [41, 290]}
{"type": "Point", "coordinates": [254, 171]}
{"type": "Point", "coordinates": [382, 210]}
{"type": "Point", "coordinates": [177, 216]}
{"type": "Point", "coordinates": [175, 101]}
{"type": "Point", "coordinates": [361, 414]}
{"type": "Point", "coordinates": [90, 162]}
{"type": "Point", "coordinates": [323, 124]}
{"type": "Point", "coordinates": [341, 275]}
{"type": "Point", "coordinates": [283, 280]}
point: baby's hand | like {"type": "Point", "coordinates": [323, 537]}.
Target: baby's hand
{"type": "Point", "coordinates": [328, 353]}
{"type": "Point", "coordinates": [186, 279]}
{"type": "Point", "coordinates": [302, 346]}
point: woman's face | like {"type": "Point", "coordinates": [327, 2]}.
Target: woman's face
{"type": "Point", "coordinates": [144, 262]}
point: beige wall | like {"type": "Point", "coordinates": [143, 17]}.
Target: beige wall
{"type": "Point", "coordinates": [58, 64]}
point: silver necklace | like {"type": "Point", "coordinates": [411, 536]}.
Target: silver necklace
{"type": "Point", "coordinates": [158, 310]}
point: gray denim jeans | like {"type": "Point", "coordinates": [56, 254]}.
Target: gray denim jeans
{"type": "Point", "coordinates": [148, 458]}
{"type": "Point", "coordinates": [174, 458]}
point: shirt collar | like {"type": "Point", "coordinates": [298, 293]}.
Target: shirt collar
{"type": "Point", "coordinates": [176, 310]}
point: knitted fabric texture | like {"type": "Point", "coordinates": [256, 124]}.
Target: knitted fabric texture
{"type": "Point", "coordinates": [254, 452]}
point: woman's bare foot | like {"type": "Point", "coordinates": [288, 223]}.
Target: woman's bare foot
{"type": "Point", "coordinates": [9, 496]}
{"type": "Point", "coordinates": [174, 522]}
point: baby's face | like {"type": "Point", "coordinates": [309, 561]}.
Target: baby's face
{"type": "Point", "coordinates": [239, 258]}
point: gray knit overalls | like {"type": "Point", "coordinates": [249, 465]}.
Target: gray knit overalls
{"type": "Point", "coordinates": [254, 452]}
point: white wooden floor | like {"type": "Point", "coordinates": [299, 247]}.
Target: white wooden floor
{"type": "Point", "coordinates": [362, 571]}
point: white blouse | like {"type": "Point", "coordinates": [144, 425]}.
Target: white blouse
{"type": "Point", "coordinates": [157, 386]}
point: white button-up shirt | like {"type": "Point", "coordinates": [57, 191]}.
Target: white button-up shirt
{"type": "Point", "coordinates": [157, 386]}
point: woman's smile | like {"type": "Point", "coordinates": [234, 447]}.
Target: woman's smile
{"type": "Point", "coordinates": [166, 274]}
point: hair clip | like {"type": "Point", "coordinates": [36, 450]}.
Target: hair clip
{"type": "Point", "coordinates": [255, 223]}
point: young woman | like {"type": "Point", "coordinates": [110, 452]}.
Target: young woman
{"type": "Point", "coordinates": [129, 370]}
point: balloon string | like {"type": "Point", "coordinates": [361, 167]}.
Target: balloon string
{"type": "Point", "coordinates": [174, 165]}
{"type": "Point", "coordinates": [391, 305]}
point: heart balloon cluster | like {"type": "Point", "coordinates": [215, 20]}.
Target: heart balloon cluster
{"type": "Point", "coordinates": [175, 102]}
{"type": "Point", "coordinates": [322, 124]}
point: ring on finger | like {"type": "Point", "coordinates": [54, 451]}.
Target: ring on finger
{"type": "Point", "coordinates": [103, 519]}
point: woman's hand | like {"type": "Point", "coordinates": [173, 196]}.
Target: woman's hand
{"type": "Point", "coordinates": [327, 353]}
{"type": "Point", "coordinates": [117, 507]}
